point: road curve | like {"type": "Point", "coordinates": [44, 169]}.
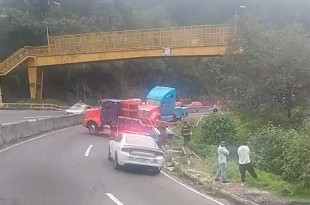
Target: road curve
{"type": "Point", "coordinates": [63, 168]}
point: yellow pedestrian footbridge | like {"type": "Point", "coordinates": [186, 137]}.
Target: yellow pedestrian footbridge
{"type": "Point", "coordinates": [203, 40]}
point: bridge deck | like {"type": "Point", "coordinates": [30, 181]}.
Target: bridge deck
{"type": "Point", "coordinates": [205, 40]}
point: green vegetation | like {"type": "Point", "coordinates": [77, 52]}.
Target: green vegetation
{"type": "Point", "coordinates": [25, 22]}
{"type": "Point", "coordinates": [266, 181]}
{"type": "Point", "coordinates": [217, 128]}
{"type": "Point", "coordinates": [283, 152]}
{"type": "Point", "coordinates": [264, 78]}
{"type": "Point", "coordinates": [268, 145]}
{"type": "Point", "coordinates": [268, 82]}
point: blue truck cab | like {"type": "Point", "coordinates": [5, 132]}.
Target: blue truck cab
{"type": "Point", "coordinates": [165, 98]}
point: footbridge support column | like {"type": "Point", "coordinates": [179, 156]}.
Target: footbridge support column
{"type": "Point", "coordinates": [35, 76]}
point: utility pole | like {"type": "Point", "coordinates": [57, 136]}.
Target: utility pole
{"type": "Point", "coordinates": [236, 16]}
{"type": "Point", "coordinates": [84, 92]}
{"type": "Point", "coordinates": [1, 100]}
{"type": "Point", "coordinates": [48, 40]}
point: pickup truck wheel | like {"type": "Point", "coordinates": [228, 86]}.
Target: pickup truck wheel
{"type": "Point", "coordinates": [156, 170]}
{"type": "Point", "coordinates": [116, 164]}
{"type": "Point", "coordinates": [109, 155]}
{"type": "Point", "coordinates": [93, 128]}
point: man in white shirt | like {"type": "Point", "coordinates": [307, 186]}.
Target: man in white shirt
{"type": "Point", "coordinates": [245, 162]}
{"type": "Point", "coordinates": [222, 153]}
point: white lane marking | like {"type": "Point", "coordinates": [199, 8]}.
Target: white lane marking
{"type": "Point", "coordinates": [35, 138]}
{"type": "Point", "coordinates": [114, 199]}
{"type": "Point", "coordinates": [88, 150]}
{"type": "Point", "coordinates": [191, 189]}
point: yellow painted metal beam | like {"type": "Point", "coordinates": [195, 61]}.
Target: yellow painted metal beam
{"type": "Point", "coordinates": [203, 40]}
{"type": "Point", "coordinates": [35, 76]}
{"type": "Point", "coordinates": [14, 61]}
{"type": "Point", "coordinates": [129, 44]}
{"type": "Point", "coordinates": [123, 55]}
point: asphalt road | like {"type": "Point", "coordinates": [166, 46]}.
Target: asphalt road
{"type": "Point", "coordinates": [18, 115]}
{"type": "Point", "coordinates": [56, 169]}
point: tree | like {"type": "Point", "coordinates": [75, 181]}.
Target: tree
{"type": "Point", "coordinates": [264, 71]}
{"type": "Point", "coordinates": [25, 23]}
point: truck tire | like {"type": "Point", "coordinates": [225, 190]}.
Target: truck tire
{"type": "Point", "coordinates": [93, 128]}
{"type": "Point", "coordinates": [109, 155]}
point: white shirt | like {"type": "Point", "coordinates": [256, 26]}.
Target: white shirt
{"type": "Point", "coordinates": [244, 154]}
{"type": "Point", "coordinates": [222, 152]}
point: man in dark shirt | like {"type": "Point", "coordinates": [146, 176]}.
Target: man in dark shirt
{"type": "Point", "coordinates": [162, 134]}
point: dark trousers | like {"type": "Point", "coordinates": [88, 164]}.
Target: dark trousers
{"type": "Point", "coordinates": [187, 138]}
{"type": "Point", "coordinates": [162, 140]}
{"type": "Point", "coordinates": [247, 167]}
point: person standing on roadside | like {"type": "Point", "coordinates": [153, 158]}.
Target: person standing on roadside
{"type": "Point", "coordinates": [245, 162]}
{"type": "Point", "coordinates": [222, 154]}
{"type": "Point", "coordinates": [186, 132]}
{"type": "Point", "coordinates": [162, 135]}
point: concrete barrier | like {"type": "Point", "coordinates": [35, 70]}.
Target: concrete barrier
{"type": "Point", "coordinates": [10, 132]}
{"type": "Point", "coordinates": [57, 122]}
{"type": "Point", "coordinates": [27, 128]}
{"type": "Point", "coordinates": [50, 124]}
{"type": "Point", "coordinates": [76, 119]}
{"type": "Point", "coordinates": [63, 121]}
{"type": "Point", "coordinates": [13, 132]}
{"type": "Point", "coordinates": [42, 125]}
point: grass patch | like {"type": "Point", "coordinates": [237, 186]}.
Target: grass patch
{"type": "Point", "coordinates": [266, 181]}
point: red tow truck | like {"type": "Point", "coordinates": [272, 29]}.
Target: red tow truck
{"type": "Point", "coordinates": [123, 114]}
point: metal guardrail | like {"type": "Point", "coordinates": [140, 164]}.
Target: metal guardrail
{"type": "Point", "coordinates": [32, 106]}
{"type": "Point", "coordinates": [187, 36]}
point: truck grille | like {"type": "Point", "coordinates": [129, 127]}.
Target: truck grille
{"type": "Point", "coordinates": [143, 114]}
{"type": "Point", "coordinates": [144, 155]}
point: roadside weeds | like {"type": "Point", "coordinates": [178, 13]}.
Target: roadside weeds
{"type": "Point", "coordinates": [269, 189]}
{"type": "Point", "coordinates": [190, 167]}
